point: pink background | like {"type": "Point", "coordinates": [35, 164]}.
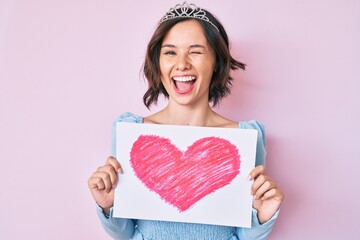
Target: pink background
{"type": "Point", "coordinates": [69, 67]}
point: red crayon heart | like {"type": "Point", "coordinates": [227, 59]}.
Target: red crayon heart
{"type": "Point", "coordinates": [183, 178]}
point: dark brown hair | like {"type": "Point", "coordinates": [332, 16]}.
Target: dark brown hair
{"type": "Point", "coordinates": [217, 38]}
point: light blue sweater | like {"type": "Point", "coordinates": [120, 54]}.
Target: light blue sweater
{"type": "Point", "coordinates": [137, 229]}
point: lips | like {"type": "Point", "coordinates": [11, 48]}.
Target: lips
{"type": "Point", "coordinates": [183, 84]}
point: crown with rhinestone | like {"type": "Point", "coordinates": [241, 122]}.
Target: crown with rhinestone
{"type": "Point", "coordinates": [187, 11]}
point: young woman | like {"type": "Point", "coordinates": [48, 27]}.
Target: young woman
{"type": "Point", "coordinates": [188, 61]}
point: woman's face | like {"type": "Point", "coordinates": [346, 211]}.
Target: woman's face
{"type": "Point", "coordinates": [187, 63]}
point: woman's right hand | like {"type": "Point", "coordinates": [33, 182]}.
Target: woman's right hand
{"type": "Point", "coordinates": [102, 183]}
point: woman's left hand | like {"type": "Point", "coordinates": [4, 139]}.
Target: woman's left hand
{"type": "Point", "coordinates": [267, 195]}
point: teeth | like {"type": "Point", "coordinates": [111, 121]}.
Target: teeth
{"type": "Point", "coordinates": [184, 79]}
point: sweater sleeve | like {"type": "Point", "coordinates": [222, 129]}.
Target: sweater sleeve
{"type": "Point", "coordinates": [257, 230]}
{"type": "Point", "coordinates": [118, 228]}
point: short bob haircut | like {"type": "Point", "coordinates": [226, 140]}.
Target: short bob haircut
{"type": "Point", "coordinates": [221, 80]}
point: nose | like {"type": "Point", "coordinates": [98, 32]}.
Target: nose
{"type": "Point", "coordinates": [183, 63]}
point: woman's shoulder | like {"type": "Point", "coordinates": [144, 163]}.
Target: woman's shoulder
{"type": "Point", "coordinates": [129, 117]}
{"type": "Point", "coordinates": [252, 124]}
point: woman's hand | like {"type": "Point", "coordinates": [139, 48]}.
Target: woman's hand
{"type": "Point", "coordinates": [102, 183]}
{"type": "Point", "coordinates": [267, 195]}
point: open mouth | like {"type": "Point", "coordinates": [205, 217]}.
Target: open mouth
{"type": "Point", "coordinates": [184, 84]}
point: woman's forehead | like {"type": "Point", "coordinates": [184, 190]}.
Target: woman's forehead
{"type": "Point", "coordinates": [188, 33]}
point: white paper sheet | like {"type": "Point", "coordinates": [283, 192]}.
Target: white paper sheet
{"type": "Point", "coordinates": [185, 173]}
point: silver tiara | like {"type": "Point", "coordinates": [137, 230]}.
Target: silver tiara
{"type": "Point", "coordinates": [187, 11]}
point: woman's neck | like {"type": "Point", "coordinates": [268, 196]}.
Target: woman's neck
{"type": "Point", "coordinates": [184, 115]}
{"type": "Point", "coordinates": [174, 114]}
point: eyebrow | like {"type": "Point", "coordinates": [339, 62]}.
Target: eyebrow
{"type": "Point", "coordinates": [168, 45]}
{"type": "Point", "coordinates": [191, 46]}
{"type": "Point", "coordinates": [197, 46]}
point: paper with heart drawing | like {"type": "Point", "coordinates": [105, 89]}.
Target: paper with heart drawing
{"type": "Point", "coordinates": [185, 173]}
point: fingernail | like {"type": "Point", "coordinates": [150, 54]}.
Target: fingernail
{"type": "Point", "coordinates": [249, 178]}
{"type": "Point", "coordinates": [120, 170]}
